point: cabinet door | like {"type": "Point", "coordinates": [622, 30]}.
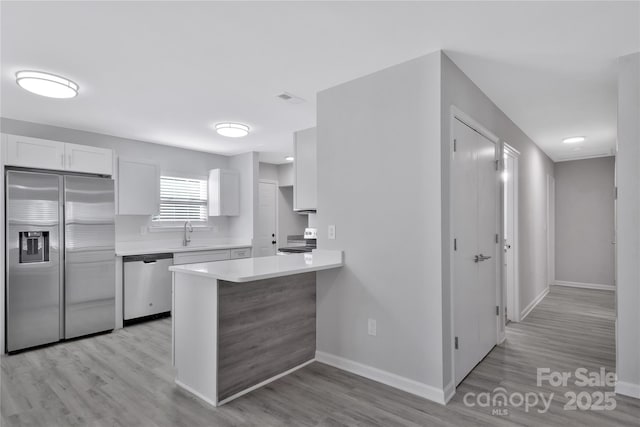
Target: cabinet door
{"type": "Point", "coordinates": [224, 192]}
{"type": "Point", "coordinates": [240, 253]}
{"type": "Point", "coordinates": [305, 170]}
{"type": "Point", "coordinates": [230, 193]}
{"type": "Point", "coordinates": [194, 257]}
{"type": "Point", "coordinates": [34, 153]}
{"type": "Point", "coordinates": [84, 158]}
{"type": "Point", "coordinates": [138, 188]}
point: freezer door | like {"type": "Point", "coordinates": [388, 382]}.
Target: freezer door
{"type": "Point", "coordinates": [33, 259]}
{"type": "Point", "coordinates": [89, 255]}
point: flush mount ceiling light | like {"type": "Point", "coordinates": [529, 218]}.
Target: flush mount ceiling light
{"type": "Point", "coordinates": [46, 84]}
{"type": "Point", "coordinates": [289, 158]}
{"type": "Point", "coordinates": [232, 130]}
{"type": "Point", "coordinates": [574, 139]}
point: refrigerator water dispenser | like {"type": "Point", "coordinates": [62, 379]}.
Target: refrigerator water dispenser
{"type": "Point", "coordinates": [34, 246]}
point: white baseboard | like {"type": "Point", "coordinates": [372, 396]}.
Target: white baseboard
{"type": "Point", "coordinates": [405, 384]}
{"type": "Point", "coordinates": [533, 303]}
{"type": "Point", "coordinates": [449, 391]}
{"type": "Point", "coordinates": [195, 393]}
{"type": "Point", "coordinates": [265, 382]}
{"type": "Point", "coordinates": [243, 392]}
{"type": "Point", "coordinates": [628, 389]}
{"type": "Point", "coordinates": [585, 285]}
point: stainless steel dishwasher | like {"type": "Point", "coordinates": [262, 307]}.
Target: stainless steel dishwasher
{"type": "Point", "coordinates": [147, 285]}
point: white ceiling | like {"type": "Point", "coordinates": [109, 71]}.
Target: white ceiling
{"type": "Point", "coordinates": [165, 72]}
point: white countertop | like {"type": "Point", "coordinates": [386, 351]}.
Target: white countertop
{"type": "Point", "coordinates": [248, 269]}
{"type": "Point", "coordinates": [162, 246]}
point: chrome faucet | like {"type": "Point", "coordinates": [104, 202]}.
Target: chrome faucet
{"type": "Point", "coordinates": [188, 229]}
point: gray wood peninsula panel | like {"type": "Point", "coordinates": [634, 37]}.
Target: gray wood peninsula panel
{"type": "Point", "coordinates": [265, 327]}
{"type": "Point", "coordinates": [243, 323]}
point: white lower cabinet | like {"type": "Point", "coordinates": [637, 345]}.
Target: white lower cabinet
{"type": "Point", "coordinates": [240, 253]}
{"type": "Point", "coordinates": [210, 256]}
{"type": "Point", "coordinates": [200, 256]}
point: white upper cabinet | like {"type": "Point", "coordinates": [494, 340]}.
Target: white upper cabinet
{"type": "Point", "coordinates": [84, 158]}
{"type": "Point", "coordinates": [44, 154]}
{"type": "Point", "coordinates": [35, 153]}
{"type": "Point", "coordinates": [305, 170]}
{"type": "Point", "coordinates": [224, 192]}
{"type": "Point", "coordinates": [138, 188]}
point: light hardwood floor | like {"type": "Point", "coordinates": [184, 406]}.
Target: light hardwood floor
{"type": "Point", "coordinates": [125, 379]}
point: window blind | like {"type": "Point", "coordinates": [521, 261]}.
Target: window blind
{"type": "Point", "coordinates": [182, 199]}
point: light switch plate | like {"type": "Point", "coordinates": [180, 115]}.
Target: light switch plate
{"type": "Point", "coordinates": [372, 327]}
{"type": "Point", "coordinates": [332, 232]}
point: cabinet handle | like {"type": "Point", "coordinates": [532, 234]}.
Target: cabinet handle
{"type": "Point", "coordinates": [70, 159]}
{"type": "Point", "coordinates": [62, 160]}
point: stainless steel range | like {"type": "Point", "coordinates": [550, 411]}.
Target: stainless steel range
{"type": "Point", "coordinates": [60, 249]}
{"type": "Point", "coordinates": [300, 244]}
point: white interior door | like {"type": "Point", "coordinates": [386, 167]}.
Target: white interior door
{"type": "Point", "coordinates": [265, 241]}
{"type": "Point", "coordinates": [475, 192]}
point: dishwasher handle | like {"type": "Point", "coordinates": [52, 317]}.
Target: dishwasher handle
{"type": "Point", "coordinates": [147, 258]}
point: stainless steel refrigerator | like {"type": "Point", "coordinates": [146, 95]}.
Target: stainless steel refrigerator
{"type": "Point", "coordinates": [60, 237]}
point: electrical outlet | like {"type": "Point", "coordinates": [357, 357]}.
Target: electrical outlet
{"type": "Point", "coordinates": [332, 232]}
{"type": "Point", "coordinates": [372, 327]}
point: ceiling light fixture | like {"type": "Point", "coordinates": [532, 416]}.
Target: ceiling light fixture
{"type": "Point", "coordinates": [289, 158]}
{"type": "Point", "coordinates": [574, 139]}
{"type": "Point", "coordinates": [46, 84]}
{"type": "Point", "coordinates": [232, 130]}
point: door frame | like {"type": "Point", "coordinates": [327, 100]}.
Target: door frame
{"type": "Point", "coordinates": [458, 114]}
{"type": "Point", "coordinates": [274, 182]}
{"type": "Point", "coordinates": [516, 315]}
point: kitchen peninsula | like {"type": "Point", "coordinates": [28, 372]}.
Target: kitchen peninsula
{"type": "Point", "coordinates": [240, 324]}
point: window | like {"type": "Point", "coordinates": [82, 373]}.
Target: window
{"type": "Point", "coordinates": [182, 199]}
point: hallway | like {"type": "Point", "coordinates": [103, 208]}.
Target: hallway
{"type": "Point", "coordinates": [571, 328]}
{"type": "Point", "coordinates": [125, 379]}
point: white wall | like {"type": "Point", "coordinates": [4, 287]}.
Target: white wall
{"type": "Point", "coordinates": [289, 222]}
{"type": "Point", "coordinates": [534, 166]}
{"type": "Point", "coordinates": [628, 228]}
{"type": "Point", "coordinates": [170, 159]}
{"type": "Point", "coordinates": [585, 196]}
{"type": "Point", "coordinates": [268, 171]}
{"type": "Point", "coordinates": [285, 174]}
{"type": "Point", "coordinates": [387, 220]}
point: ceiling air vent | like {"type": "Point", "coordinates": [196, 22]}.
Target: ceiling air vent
{"type": "Point", "coordinates": [290, 98]}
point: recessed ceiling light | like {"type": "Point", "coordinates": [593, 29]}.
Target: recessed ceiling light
{"type": "Point", "coordinates": [46, 84]}
{"type": "Point", "coordinates": [574, 139]}
{"type": "Point", "coordinates": [289, 158]}
{"type": "Point", "coordinates": [232, 130]}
